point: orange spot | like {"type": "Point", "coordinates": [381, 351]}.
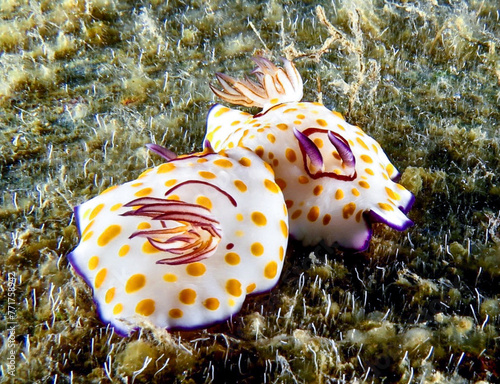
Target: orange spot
{"type": "Point", "coordinates": [289, 110]}
{"type": "Point", "coordinates": [269, 168]}
{"type": "Point", "coordinates": [204, 202]}
{"type": "Point", "coordinates": [399, 186]}
{"type": "Point", "coordinates": [369, 171]}
{"type": "Point", "coordinates": [284, 228]}
{"type": "Point", "coordinates": [187, 296]}
{"type": "Point", "coordinates": [282, 126]}
{"type": "Point", "coordinates": [318, 142]}
{"type": "Point", "coordinates": [358, 216]}
{"type": "Point", "coordinates": [326, 219]}
{"type": "Point", "coordinates": [221, 111]}
{"type": "Point", "coordinates": [109, 189]}
{"type": "Point", "coordinates": [170, 182]}
{"type": "Point", "coordinates": [96, 211]}
{"type": "Point", "coordinates": [259, 219]}
{"type": "Point", "coordinates": [313, 214]}
{"type": "Point", "coordinates": [110, 294]}
{"type": "Point", "coordinates": [257, 249]}
{"type": "Point", "coordinates": [318, 189]}
{"type": "Point", "coordinates": [211, 303]}
{"type": "Point", "coordinates": [390, 169]}
{"type": "Point", "coordinates": [145, 307]}
{"type": "Point", "coordinates": [207, 175]}
{"type": "Point", "coordinates": [271, 270]}
{"type": "Point", "coordinates": [362, 143]}
{"type": "Point", "coordinates": [338, 114]}
{"type": "Point", "coordinates": [143, 225]}
{"type": "Point", "coordinates": [124, 250]}
{"type": "Point", "coordinates": [303, 179]}
{"type": "Point", "coordinates": [116, 207]}
{"type": "Point", "coordinates": [296, 214]}
{"type": "Point", "coordinates": [364, 184]}
{"type": "Point", "coordinates": [282, 253]}
{"type": "Point", "coordinates": [232, 258]}
{"type": "Point", "coordinates": [240, 185]}
{"type": "Point", "coordinates": [196, 269]}
{"type": "Point", "coordinates": [170, 278]}
{"type": "Point", "coordinates": [289, 203]}
{"type": "Point", "coordinates": [109, 234]}
{"type": "Point", "coordinates": [236, 122]}
{"type": "Point", "coordinates": [117, 309]}
{"type": "Point", "coordinates": [93, 262]}
{"type": "Point", "coordinates": [99, 278]}
{"type": "Point", "coordinates": [135, 283]}
{"type": "Point", "coordinates": [392, 194]}
{"type": "Point", "coordinates": [87, 236]}
{"type": "Point", "coordinates": [259, 151]}
{"type": "Point", "coordinates": [290, 155]}
{"type": "Point", "coordinates": [246, 162]}
{"type": "Point", "coordinates": [281, 183]}
{"type": "Point", "coordinates": [339, 194]}
{"type": "Point", "coordinates": [164, 168]}
{"type": "Point", "coordinates": [271, 186]}
{"type": "Point", "coordinates": [348, 210]}
{"type": "Point", "coordinates": [251, 288]}
{"type": "Point", "coordinates": [175, 313]}
{"type": "Point", "coordinates": [355, 192]}
{"type": "Point", "coordinates": [148, 248]}
{"type": "Point", "coordinates": [143, 192]}
{"type": "Point", "coordinates": [322, 122]}
{"type": "Point", "coordinates": [366, 159]}
{"type": "Point", "coordinates": [233, 287]}
{"type": "Point", "coordinates": [224, 163]}
{"type": "Point", "coordinates": [271, 138]}
{"type": "Point", "coordinates": [385, 207]}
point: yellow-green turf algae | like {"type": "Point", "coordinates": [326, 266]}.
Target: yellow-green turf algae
{"type": "Point", "coordinates": [84, 84]}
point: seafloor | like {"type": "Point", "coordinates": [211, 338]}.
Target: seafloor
{"type": "Point", "coordinates": [84, 84]}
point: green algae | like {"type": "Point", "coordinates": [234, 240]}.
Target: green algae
{"type": "Point", "coordinates": [85, 84]}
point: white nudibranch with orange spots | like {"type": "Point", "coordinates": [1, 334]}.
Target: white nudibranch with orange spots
{"type": "Point", "coordinates": [336, 179]}
{"type": "Point", "coordinates": [182, 246]}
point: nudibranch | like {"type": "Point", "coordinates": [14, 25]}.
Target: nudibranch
{"type": "Point", "coordinates": [181, 246]}
{"type": "Point", "coordinates": [336, 179]}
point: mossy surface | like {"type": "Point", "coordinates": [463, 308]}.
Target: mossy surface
{"type": "Point", "coordinates": [84, 84]}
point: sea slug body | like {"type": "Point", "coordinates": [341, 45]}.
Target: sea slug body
{"type": "Point", "coordinates": [336, 179]}
{"type": "Point", "coordinates": [181, 246]}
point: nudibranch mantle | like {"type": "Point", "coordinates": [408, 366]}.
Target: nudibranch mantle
{"type": "Point", "coordinates": [336, 179]}
{"type": "Point", "coordinates": [181, 246]}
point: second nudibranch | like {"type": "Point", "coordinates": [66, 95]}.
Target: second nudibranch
{"type": "Point", "coordinates": [182, 246]}
{"type": "Point", "coordinates": [336, 179]}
